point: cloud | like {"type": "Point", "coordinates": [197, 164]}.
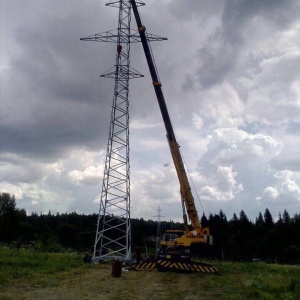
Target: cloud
{"type": "Point", "coordinates": [38, 197]}
{"type": "Point", "coordinates": [288, 159]}
{"type": "Point", "coordinates": [89, 176]}
{"type": "Point", "coordinates": [236, 164]}
{"type": "Point", "coordinates": [286, 189]}
{"type": "Point", "coordinates": [216, 107]}
{"type": "Point", "coordinates": [48, 103]}
{"type": "Point", "coordinates": [240, 147]}
{"type": "Point", "coordinates": [278, 97]}
{"type": "Point", "coordinates": [56, 185]}
{"type": "Point", "coordinates": [15, 168]}
{"type": "Point", "coordinates": [270, 192]}
{"type": "Point", "coordinates": [230, 74]}
{"type": "Point", "coordinates": [225, 186]}
{"type": "Point", "coordinates": [156, 187]}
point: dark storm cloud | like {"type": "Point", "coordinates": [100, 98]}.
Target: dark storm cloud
{"type": "Point", "coordinates": [51, 92]}
{"type": "Point", "coordinates": [54, 131]}
{"type": "Point", "coordinates": [200, 10]}
{"type": "Point", "coordinates": [55, 109]}
{"type": "Point", "coordinates": [281, 13]}
{"type": "Point", "coordinates": [219, 55]}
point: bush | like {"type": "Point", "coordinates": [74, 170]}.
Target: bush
{"type": "Point", "coordinates": [291, 254]}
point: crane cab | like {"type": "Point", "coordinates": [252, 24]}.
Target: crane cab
{"type": "Point", "coordinates": [169, 249]}
{"type": "Point", "coordinates": [171, 235]}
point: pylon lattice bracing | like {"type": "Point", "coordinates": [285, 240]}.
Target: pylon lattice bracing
{"type": "Point", "coordinates": [113, 235]}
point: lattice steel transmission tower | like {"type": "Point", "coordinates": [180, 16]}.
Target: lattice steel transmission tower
{"type": "Point", "coordinates": [113, 235]}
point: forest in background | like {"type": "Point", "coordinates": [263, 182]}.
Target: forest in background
{"type": "Point", "coordinates": [235, 239]}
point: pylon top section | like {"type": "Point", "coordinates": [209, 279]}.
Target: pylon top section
{"type": "Point", "coordinates": [116, 3]}
{"type": "Point", "coordinates": [123, 34]}
{"type": "Point", "coordinates": [113, 36]}
{"type": "Point", "coordinates": [124, 73]}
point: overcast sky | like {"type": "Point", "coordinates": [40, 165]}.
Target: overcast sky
{"type": "Point", "coordinates": [231, 77]}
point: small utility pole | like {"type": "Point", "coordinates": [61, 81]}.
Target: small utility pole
{"type": "Point", "coordinates": [158, 233]}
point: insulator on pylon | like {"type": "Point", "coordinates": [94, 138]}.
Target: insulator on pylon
{"type": "Point", "coordinates": [119, 48]}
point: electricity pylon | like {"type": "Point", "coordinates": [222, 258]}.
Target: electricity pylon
{"type": "Point", "coordinates": [113, 235]}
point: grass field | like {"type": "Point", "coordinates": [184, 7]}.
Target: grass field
{"type": "Point", "coordinates": [31, 275]}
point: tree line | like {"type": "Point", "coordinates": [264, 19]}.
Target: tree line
{"type": "Point", "coordinates": [236, 239]}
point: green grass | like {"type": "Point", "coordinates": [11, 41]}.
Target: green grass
{"type": "Point", "coordinates": [265, 281]}
{"type": "Point", "coordinates": [25, 264]}
{"type": "Point", "coordinates": [32, 275]}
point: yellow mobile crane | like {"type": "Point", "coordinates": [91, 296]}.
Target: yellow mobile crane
{"type": "Point", "coordinates": [175, 244]}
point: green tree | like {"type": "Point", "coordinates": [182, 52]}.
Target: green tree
{"type": "Point", "coordinates": [268, 219]}
{"type": "Point", "coordinates": [291, 254]}
{"type": "Point", "coordinates": [204, 221]}
{"type": "Point", "coordinates": [279, 221]}
{"type": "Point", "coordinates": [243, 217]}
{"type": "Point", "coordinates": [222, 216]}
{"type": "Point", "coordinates": [244, 222]}
{"type": "Point", "coordinates": [259, 220]}
{"type": "Point", "coordinates": [286, 217]}
{"type": "Point", "coordinates": [234, 218]}
{"type": "Point", "coordinates": [7, 210]}
{"type": "Point", "coordinates": [66, 234]}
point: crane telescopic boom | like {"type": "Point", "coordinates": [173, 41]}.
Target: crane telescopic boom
{"type": "Point", "coordinates": [185, 189]}
{"type": "Point", "coordinates": [176, 246]}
